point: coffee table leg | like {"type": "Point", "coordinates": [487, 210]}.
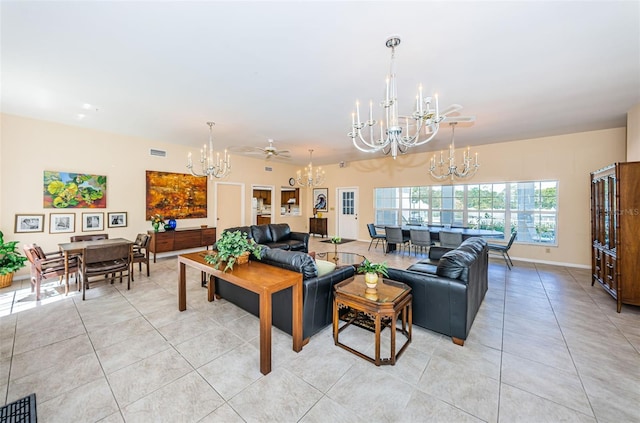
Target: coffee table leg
{"type": "Point", "coordinates": [182, 288]}
{"type": "Point", "coordinates": [265, 333]}
{"type": "Point", "coordinates": [378, 318]}
{"type": "Point", "coordinates": [211, 289]}
{"type": "Point", "coordinates": [394, 321]}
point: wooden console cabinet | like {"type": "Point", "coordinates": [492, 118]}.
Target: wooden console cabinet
{"type": "Point", "coordinates": [181, 239]}
{"type": "Point", "coordinates": [615, 225]}
{"type": "Point", "coordinates": [318, 225]}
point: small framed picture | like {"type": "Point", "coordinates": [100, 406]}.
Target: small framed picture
{"type": "Point", "coordinates": [92, 222]}
{"type": "Point", "coordinates": [320, 202]}
{"type": "Point", "coordinates": [117, 219]}
{"type": "Point", "coordinates": [60, 223]}
{"type": "Point", "coordinates": [29, 223]}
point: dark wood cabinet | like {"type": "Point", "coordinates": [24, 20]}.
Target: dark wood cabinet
{"type": "Point", "coordinates": [264, 220]}
{"type": "Point", "coordinates": [318, 225]}
{"type": "Point", "coordinates": [181, 239]}
{"type": "Point", "coordinates": [615, 229]}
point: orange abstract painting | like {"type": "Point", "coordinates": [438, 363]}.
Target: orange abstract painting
{"type": "Point", "coordinates": [176, 195]}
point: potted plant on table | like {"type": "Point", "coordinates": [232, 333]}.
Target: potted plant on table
{"type": "Point", "coordinates": [233, 247]}
{"type": "Point", "coordinates": [10, 261]}
{"type": "Point", "coordinates": [156, 221]}
{"type": "Point", "coordinates": [371, 272]}
{"type": "Point", "coordinates": [335, 240]}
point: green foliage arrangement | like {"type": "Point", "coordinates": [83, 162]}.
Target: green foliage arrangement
{"type": "Point", "coordinates": [229, 247]}
{"type": "Point", "coordinates": [378, 268]}
{"type": "Point", "coordinates": [336, 240]}
{"type": "Point", "coordinates": [10, 258]}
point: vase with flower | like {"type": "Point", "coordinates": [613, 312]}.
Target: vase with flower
{"type": "Point", "coordinates": [335, 241]}
{"type": "Point", "coordinates": [372, 271]}
{"type": "Point", "coordinates": [156, 221]}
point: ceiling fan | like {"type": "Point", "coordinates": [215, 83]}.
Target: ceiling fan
{"type": "Point", "coordinates": [449, 113]}
{"type": "Point", "coordinates": [268, 152]}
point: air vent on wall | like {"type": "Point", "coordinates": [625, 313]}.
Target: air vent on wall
{"type": "Point", "coordinates": [268, 169]}
{"type": "Point", "coordinates": [158, 153]}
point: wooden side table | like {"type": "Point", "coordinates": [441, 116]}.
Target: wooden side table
{"type": "Point", "coordinates": [389, 300]}
{"type": "Point", "coordinates": [318, 225]}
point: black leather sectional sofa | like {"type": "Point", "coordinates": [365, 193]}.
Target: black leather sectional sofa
{"type": "Point", "coordinates": [448, 293]}
{"type": "Point", "coordinates": [276, 235]}
{"type": "Point", "coordinates": [317, 292]}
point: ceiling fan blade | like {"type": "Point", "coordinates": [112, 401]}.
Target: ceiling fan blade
{"type": "Point", "coordinates": [450, 109]}
{"type": "Point", "coordinates": [451, 119]}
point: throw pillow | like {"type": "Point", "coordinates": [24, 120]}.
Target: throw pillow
{"type": "Point", "coordinates": [325, 267]}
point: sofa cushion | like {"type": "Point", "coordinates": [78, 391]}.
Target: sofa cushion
{"type": "Point", "coordinates": [325, 267]}
{"type": "Point", "coordinates": [261, 234]}
{"type": "Point", "coordinates": [291, 260]}
{"type": "Point", "coordinates": [455, 263]}
{"type": "Point", "coordinates": [280, 231]}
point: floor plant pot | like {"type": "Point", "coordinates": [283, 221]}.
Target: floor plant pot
{"type": "Point", "coordinates": [6, 280]}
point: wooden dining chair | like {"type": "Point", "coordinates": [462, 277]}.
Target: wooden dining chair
{"type": "Point", "coordinates": [140, 253]}
{"type": "Point", "coordinates": [109, 260]}
{"type": "Point", "coordinates": [47, 266]}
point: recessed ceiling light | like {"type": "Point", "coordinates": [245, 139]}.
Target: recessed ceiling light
{"type": "Point", "coordinates": [80, 116]}
{"type": "Point", "coordinates": [87, 106]}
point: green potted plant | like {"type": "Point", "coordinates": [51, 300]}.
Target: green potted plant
{"type": "Point", "coordinates": [233, 247]}
{"type": "Point", "coordinates": [10, 261]}
{"type": "Point", "coordinates": [371, 272]}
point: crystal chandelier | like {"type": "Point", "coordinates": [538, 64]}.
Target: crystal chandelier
{"type": "Point", "coordinates": [212, 168]}
{"type": "Point", "coordinates": [391, 141]}
{"type": "Point", "coordinates": [307, 178]}
{"type": "Point", "coordinates": [446, 168]}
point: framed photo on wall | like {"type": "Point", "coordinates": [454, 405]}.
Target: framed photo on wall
{"type": "Point", "coordinates": [29, 223]}
{"type": "Point", "coordinates": [320, 200]}
{"type": "Point", "coordinates": [117, 219]}
{"type": "Point", "coordinates": [60, 223]}
{"type": "Point", "coordinates": [92, 222]}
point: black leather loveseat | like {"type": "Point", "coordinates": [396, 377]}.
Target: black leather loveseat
{"type": "Point", "coordinates": [276, 235]}
{"type": "Point", "coordinates": [447, 294]}
{"type": "Point", "coordinates": [317, 292]}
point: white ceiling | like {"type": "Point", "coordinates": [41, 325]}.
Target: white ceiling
{"type": "Point", "coordinates": [292, 71]}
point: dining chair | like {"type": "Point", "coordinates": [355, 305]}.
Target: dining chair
{"type": "Point", "coordinates": [396, 236]}
{"type": "Point", "coordinates": [420, 238]}
{"type": "Point", "coordinates": [46, 266]}
{"type": "Point", "coordinates": [450, 239]}
{"type": "Point", "coordinates": [108, 260]}
{"type": "Point", "coordinates": [504, 249]}
{"type": "Point", "coordinates": [140, 253]}
{"type": "Point", "coordinates": [375, 236]}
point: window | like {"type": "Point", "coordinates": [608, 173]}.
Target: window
{"type": "Point", "coordinates": [528, 207]}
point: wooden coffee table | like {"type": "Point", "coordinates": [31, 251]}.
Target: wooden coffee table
{"type": "Point", "coordinates": [389, 300]}
{"type": "Point", "coordinates": [257, 277]}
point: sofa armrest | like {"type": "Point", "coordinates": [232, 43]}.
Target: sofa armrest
{"type": "Point", "coordinates": [301, 236]}
{"type": "Point", "coordinates": [436, 252]}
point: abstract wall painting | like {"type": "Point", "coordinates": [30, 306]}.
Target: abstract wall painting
{"type": "Point", "coordinates": [64, 190]}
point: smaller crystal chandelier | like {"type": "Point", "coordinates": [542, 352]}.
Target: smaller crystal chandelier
{"type": "Point", "coordinates": [212, 168]}
{"type": "Point", "coordinates": [307, 178]}
{"type": "Point", "coordinates": [442, 169]}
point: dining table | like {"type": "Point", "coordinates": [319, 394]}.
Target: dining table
{"type": "Point", "coordinates": [435, 232]}
{"type": "Point", "coordinates": [69, 249]}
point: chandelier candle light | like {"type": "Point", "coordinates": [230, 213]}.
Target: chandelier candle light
{"type": "Point", "coordinates": [391, 140]}
{"type": "Point", "coordinates": [308, 178]}
{"type": "Point", "coordinates": [441, 169]}
{"type": "Point", "coordinates": [212, 168]}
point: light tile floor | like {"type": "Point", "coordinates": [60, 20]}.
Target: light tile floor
{"type": "Point", "coordinates": [546, 346]}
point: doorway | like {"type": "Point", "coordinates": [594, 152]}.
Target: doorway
{"type": "Point", "coordinates": [348, 213]}
{"type": "Point", "coordinates": [229, 205]}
